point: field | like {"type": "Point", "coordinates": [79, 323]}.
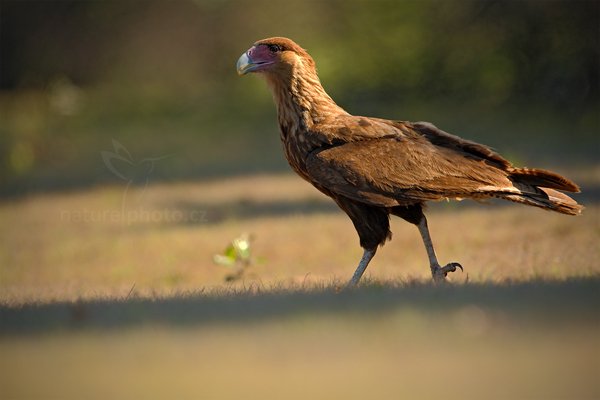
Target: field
{"type": "Point", "coordinates": [132, 157]}
{"type": "Point", "coordinates": [112, 292]}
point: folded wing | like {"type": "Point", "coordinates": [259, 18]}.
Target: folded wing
{"type": "Point", "coordinates": [425, 164]}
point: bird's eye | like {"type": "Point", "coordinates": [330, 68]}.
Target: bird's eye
{"type": "Point", "coordinates": [274, 48]}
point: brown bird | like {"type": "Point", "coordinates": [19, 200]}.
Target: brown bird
{"type": "Point", "coordinates": [373, 167]}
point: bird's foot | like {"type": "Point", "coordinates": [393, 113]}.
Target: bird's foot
{"type": "Point", "coordinates": [439, 273]}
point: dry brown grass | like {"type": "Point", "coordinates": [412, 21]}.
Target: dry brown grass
{"type": "Point", "coordinates": [112, 307]}
{"type": "Point", "coordinates": [162, 238]}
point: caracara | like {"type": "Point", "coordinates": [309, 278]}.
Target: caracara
{"type": "Point", "coordinates": [373, 167]}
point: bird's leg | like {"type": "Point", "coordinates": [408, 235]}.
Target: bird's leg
{"type": "Point", "coordinates": [362, 266]}
{"type": "Point", "coordinates": [438, 273]}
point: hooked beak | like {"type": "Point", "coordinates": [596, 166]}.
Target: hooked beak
{"type": "Point", "coordinates": [245, 64]}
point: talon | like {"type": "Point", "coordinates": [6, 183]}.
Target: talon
{"type": "Point", "coordinates": [451, 267]}
{"type": "Point", "coordinates": [440, 273]}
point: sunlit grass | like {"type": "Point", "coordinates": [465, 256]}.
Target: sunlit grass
{"type": "Point", "coordinates": [161, 240]}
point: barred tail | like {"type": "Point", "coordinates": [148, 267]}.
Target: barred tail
{"type": "Point", "coordinates": [540, 188]}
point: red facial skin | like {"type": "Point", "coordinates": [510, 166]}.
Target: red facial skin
{"type": "Point", "coordinates": [260, 57]}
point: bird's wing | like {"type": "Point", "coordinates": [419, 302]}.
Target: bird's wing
{"type": "Point", "coordinates": [468, 148]}
{"type": "Point", "coordinates": [395, 171]}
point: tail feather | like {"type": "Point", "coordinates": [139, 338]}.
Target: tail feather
{"type": "Point", "coordinates": [539, 188]}
{"type": "Point", "coordinates": [543, 178]}
{"type": "Point", "coordinates": [548, 199]}
{"type": "Point", "coordinates": [562, 202]}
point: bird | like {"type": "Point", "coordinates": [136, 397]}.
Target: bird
{"type": "Point", "coordinates": [374, 168]}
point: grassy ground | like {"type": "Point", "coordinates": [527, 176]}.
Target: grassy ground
{"type": "Point", "coordinates": [162, 239]}
{"type": "Point", "coordinates": [112, 293]}
{"type": "Point", "coordinates": [533, 340]}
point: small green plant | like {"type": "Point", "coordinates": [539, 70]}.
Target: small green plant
{"type": "Point", "coordinates": [237, 255]}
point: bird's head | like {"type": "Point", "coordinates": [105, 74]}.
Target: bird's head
{"type": "Point", "coordinates": [274, 56]}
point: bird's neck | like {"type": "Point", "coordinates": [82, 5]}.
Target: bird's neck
{"type": "Point", "coordinates": [301, 101]}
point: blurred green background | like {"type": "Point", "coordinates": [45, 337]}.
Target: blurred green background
{"type": "Point", "coordinates": [159, 78]}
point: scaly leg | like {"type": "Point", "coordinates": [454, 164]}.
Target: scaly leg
{"type": "Point", "coordinates": [362, 266]}
{"type": "Point", "coordinates": [438, 273]}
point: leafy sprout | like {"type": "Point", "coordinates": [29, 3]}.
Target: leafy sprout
{"type": "Point", "coordinates": [238, 255]}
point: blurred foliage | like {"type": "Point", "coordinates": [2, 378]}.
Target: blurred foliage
{"type": "Point", "coordinates": [237, 255]}
{"type": "Point", "coordinates": [160, 78]}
